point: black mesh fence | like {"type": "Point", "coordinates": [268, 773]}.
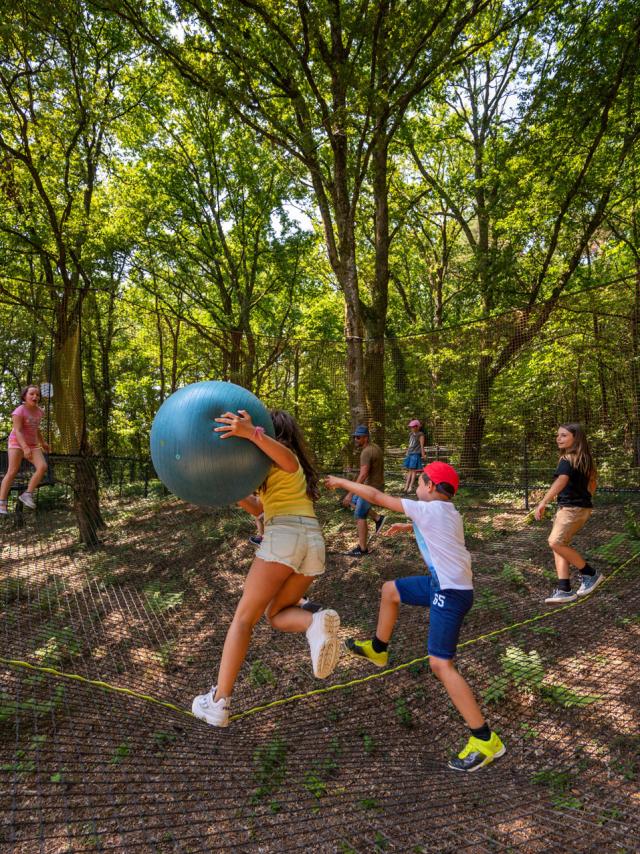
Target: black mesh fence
{"type": "Point", "coordinates": [103, 650]}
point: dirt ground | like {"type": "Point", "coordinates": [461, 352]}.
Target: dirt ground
{"type": "Point", "coordinates": [353, 764]}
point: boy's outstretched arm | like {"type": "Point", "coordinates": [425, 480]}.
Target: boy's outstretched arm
{"type": "Point", "coordinates": [369, 493]}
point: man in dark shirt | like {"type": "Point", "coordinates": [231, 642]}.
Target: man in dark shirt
{"type": "Point", "coordinates": [371, 473]}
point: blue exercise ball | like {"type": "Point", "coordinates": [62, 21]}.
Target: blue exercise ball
{"type": "Point", "coordinates": [192, 460]}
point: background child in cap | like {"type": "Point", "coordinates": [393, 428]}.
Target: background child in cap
{"type": "Point", "coordinates": [447, 591]}
{"type": "Point", "coordinates": [372, 473]}
{"type": "Point", "coordinates": [415, 458]}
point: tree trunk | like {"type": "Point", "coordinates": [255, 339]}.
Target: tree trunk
{"type": "Point", "coordinates": [474, 431]}
{"type": "Point", "coordinates": [70, 419]}
{"type": "Point", "coordinates": [635, 369]}
{"type": "Point", "coordinates": [602, 382]}
{"type": "Point", "coordinates": [376, 317]}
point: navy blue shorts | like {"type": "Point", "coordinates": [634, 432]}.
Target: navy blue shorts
{"type": "Point", "coordinates": [448, 610]}
{"type": "Point", "coordinates": [360, 508]}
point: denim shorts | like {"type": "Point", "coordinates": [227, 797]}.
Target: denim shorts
{"type": "Point", "coordinates": [413, 462]}
{"type": "Point", "coordinates": [448, 610]}
{"type": "Point", "coordinates": [360, 508]}
{"type": "Point", "coordinates": [295, 541]}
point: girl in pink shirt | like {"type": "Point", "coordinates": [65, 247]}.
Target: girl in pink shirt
{"type": "Point", "coordinates": [25, 441]}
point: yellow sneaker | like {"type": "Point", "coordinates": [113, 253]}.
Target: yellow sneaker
{"type": "Point", "coordinates": [478, 753]}
{"type": "Point", "coordinates": [364, 649]}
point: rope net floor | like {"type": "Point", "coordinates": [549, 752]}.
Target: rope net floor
{"type": "Point", "coordinates": [103, 651]}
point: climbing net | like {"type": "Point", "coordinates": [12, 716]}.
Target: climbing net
{"type": "Point", "coordinates": [103, 650]}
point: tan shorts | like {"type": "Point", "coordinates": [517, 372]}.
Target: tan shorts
{"type": "Point", "coordinates": [566, 524]}
{"type": "Point", "coordinates": [295, 541]}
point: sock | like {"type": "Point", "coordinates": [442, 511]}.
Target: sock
{"type": "Point", "coordinates": [587, 570]}
{"type": "Point", "coordinates": [564, 584]}
{"type": "Point", "coordinates": [483, 732]}
{"type": "Point", "coordinates": [378, 645]}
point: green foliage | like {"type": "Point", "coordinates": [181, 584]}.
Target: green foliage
{"type": "Point", "coordinates": [368, 743]}
{"type": "Point", "coordinates": [29, 709]}
{"type": "Point", "coordinates": [522, 669]}
{"type": "Point", "coordinates": [120, 753]}
{"type": "Point", "coordinates": [162, 739]}
{"type": "Point", "coordinates": [10, 590]}
{"type": "Point", "coordinates": [632, 525]}
{"type": "Point", "coordinates": [566, 697]}
{"type": "Point", "coordinates": [24, 761]}
{"type": "Point", "coordinates": [270, 767]}
{"type": "Point", "coordinates": [316, 779]}
{"type": "Point", "coordinates": [510, 574]}
{"type": "Point", "coordinates": [559, 782]}
{"type": "Point", "coordinates": [162, 596]}
{"type": "Point", "coordinates": [166, 653]}
{"type": "Point", "coordinates": [368, 804]}
{"type": "Point", "coordinates": [381, 841]}
{"type": "Point", "coordinates": [260, 674]}
{"type": "Point", "coordinates": [403, 713]}
{"type": "Point", "coordinates": [60, 644]}
{"type": "Point", "coordinates": [490, 601]}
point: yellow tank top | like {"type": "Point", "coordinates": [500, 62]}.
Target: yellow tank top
{"type": "Point", "coordinates": [285, 494]}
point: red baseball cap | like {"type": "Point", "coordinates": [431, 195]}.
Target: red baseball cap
{"type": "Point", "coordinates": [439, 472]}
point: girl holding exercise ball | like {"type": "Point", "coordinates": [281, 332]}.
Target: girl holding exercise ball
{"type": "Point", "coordinates": [290, 556]}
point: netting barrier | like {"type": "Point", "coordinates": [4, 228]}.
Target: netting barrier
{"type": "Point", "coordinates": [105, 642]}
{"type": "Point", "coordinates": [103, 650]}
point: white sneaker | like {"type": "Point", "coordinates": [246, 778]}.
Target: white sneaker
{"type": "Point", "coordinates": [4, 509]}
{"type": "Point", "coordinates": [324, 643]}
{"type": "Point", "coordinates": [27, 498]}
{"type": "Point", "coordinates": [214, 712]}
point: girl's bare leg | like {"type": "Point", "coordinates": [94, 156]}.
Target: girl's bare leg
{"type": "Point", "coordinates": [283, 613]}
{"type": "Point", "coordinates": [38, 460]}
{"type": "Point", "coordinates": [15, 456]}
{"type": "Point", "coordinates": [263, 583]}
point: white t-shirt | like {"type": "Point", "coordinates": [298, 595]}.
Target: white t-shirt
{"type": "Point", "coordinates": [440, 536]}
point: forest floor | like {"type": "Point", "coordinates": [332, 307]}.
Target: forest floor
{"type": "Point", "coordinates": [356, 763]}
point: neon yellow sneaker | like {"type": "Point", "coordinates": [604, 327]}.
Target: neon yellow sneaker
{"type": "Point", "coordinates": [478, 753]}
{"type": "Point", "coordinates": [364, 649]}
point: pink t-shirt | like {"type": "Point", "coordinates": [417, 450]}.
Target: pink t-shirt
{"type": "Point", "coordinates": [30, 426]}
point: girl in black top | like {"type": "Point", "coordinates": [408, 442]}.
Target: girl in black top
{"type": "Point", "coordinates": [574, 485]}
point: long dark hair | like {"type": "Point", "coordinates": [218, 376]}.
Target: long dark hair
{"type": "Point", "coordinates": [580, 454]}
{"type": "Point", "coordinates": [288, 433]}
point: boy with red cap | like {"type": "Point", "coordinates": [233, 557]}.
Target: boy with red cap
{"type": "Point", "coordinates": [447, 591]}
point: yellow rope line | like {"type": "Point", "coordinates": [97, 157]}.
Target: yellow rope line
{"type": "Point", "coordinates": [107, 686]}
{"type": "Point", "coordinates": [406, 664]}
{"type": "Point", "coordinates": [95, 683]}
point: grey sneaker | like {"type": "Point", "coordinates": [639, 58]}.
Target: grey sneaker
{"type": "Point", "coordinates": [589, 584]}
{"type": "Point", "coordinates": [561, 597]}
{"type": "Point", "coordinates": [27, 500]}
{"type": "Point", "coordinates": [214, 712]}
{"type": "Point", "coordinates": [4, 509]}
